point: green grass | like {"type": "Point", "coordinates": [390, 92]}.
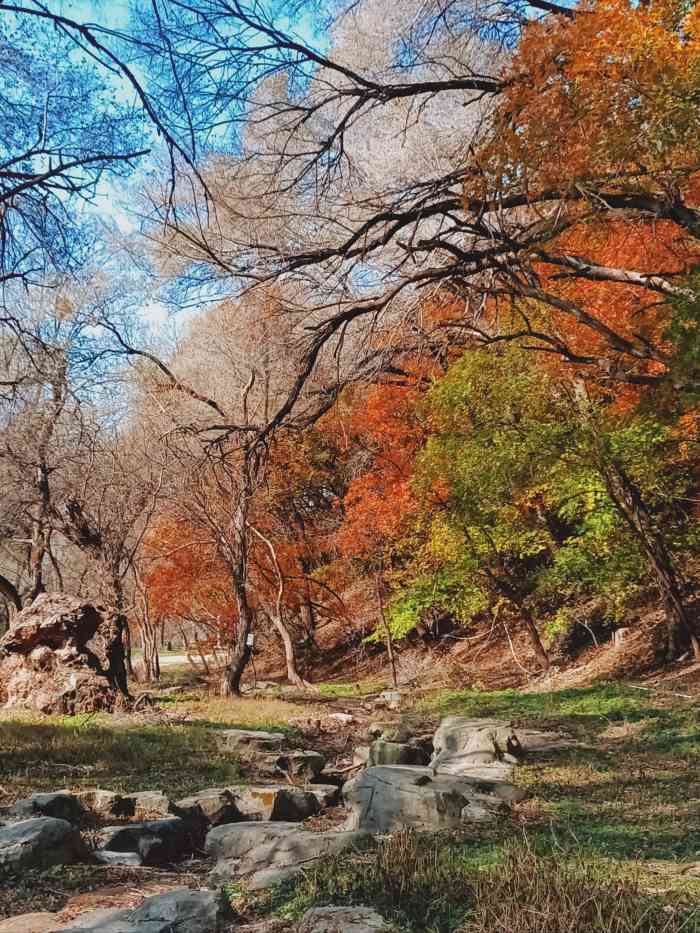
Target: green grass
{"type": "Point", "coordinates": [90, 752]}
{"type": "Point", "coordinates": [39, 753]}
{"type": "Point", "coordinates": [602, 703]}
{"type": "Point", "coordinates": [620, 808]}
{"type": "Point", "coordinates": [628, 791]}
{"type": "Point", "coordinates": [349, 690]}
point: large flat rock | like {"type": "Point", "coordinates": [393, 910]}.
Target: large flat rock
{"type": "Point", "coordinates": [386, 798]}
{"type": "Point", "coordinates": [264, 854]}
{"type": "Point", "coordinates": [247, 741]}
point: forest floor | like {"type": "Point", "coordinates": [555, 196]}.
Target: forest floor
{"type": "Point", "coordinates": [623, 801]}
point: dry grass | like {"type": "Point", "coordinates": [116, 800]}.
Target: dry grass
{"type": "Point", "coordinates": [554, 894]}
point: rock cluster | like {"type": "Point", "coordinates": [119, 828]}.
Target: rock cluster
{"type": "Point", "coordinates": [255, 835]}
{"type": "Point", "coordinates": [62, 655]}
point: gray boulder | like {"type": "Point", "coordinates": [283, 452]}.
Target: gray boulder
{"type": "Point", "coordinates": [156, 842]}
{"type": "Point", "coordinates": [210, 807]}
{"type": "Point", "coordinates": [60, 805]}
{"type": "Point", "coordinates": [39, 843]}
{"type": "Point", "coordinates": [178, 911]}
{"type": "Point", "coordinates": [245, 741]}
{"type": "Point", "coordinates": [263, 854]}
{"type": "Point", "coordinates": [301, 766]}
{"type": "Point", "coordinates": [278, 802]}
{"type": "Point", "coordinates": [342, 920]}
{"type": "Point", "coordinates": [462, 744]}
{"type": "Point", "coordinates": [146, 805]}
{"type": "Point", "coordinates": [237, 839]}
{"type": "Point", "coordinates": [383, 799]}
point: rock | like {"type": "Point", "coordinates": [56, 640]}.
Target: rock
{"type": "Point", "coordinates": [30, 923]}
{"type": "Point", "coordinates": [278, 802]}
{"type": "Point", "coordinates": [61, 805]}
{"type": "Point", "coordinates": [383, 799]}
{"type": "Point", "coordinates": [234, 840]}
{"type": "Point", "coordinates": [156, 842]}
{"type": "Point", "coordinates": [311, 725]}
{"type": "Point", "coordinates": [326, 794]}
{"type": "Point", "coordinates": [210, 807]}
{"type": "Point", "coordinates": [62, 655]}
{"type": "Point", "coordinates": [246, 741]}
{"type": "Point", "coordinates": [146, 805]}
{"type": "Point", "coordinates": [179, 911]}
{"type": "Point", "coordinates": [101, 920]}
{"type": "Point", "coordinates": [302, 766]}
{"type": "Point", "coordinates": [104, 804]}
{"type": "Point", "coordinates": [388, 731]}
{"type": "Point", "coordinates": [109, 857]}
{"type": "Point", "coordinates": [39, 843]}
{"type": "Point", "coordinates": [395, 753]}
{"type": "Point", "coordinates": [345, 719]}
{"type": "Point", "coordinates": [266, 853]}
{"type": "Point", "coordinates": [360, 756]}
{"type": "Point", "coordinates": [342, 920]}
{"type": "Point", "coordinates": [467, 746]}
{"type": "Point", "coordinates": [315, 724]}
{"type": "Point", "coordinates": [391, 699]}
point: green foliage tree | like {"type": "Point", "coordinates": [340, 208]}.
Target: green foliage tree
{"type": "Point", "coordinates": [520, 505]}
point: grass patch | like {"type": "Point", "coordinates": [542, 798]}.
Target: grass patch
{"type": "Point", "coordinates": [39, 753]}
{"type": "Point", "coordinates": [628, 791]}
{"type": "Point", "coordinates": [417, 882]}
{"type": "Point", "coordinates": [348, 690]}
{"type": "Point", "coordinates": [94, 751]}
{"type": "Point", "coordinates": [530, 893]}
{"type": "Point", "coordinates": [604, 703]}
{"type": "Point", "coordinates": [440, 884]}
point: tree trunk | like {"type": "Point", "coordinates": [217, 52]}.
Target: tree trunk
{"type": "Point", "coordinates": [127, 650]}
{"type": "Point", "coordinates": [535, 640]}
{"type": "Point", "coordinates": [628, 501]}
{"type": "Point", "coordinates": [293, 675]}
{"type": "Point", "coordinates": [40, 532]}
{"type": "Point", "coordinates": [117, 655]}
{"type": "Point", "coordinates": [42, 508]}
{"type": "Point", "coordinates": [241, 650]}
{"type": "Point", "coordinates": [387, 630]}
{"type": "Point", "coordinates": [308, 617]}
{"type": "Point", "coordinates": [149, 643]}
{"type": "Point", "coordinates": [116, 674]}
